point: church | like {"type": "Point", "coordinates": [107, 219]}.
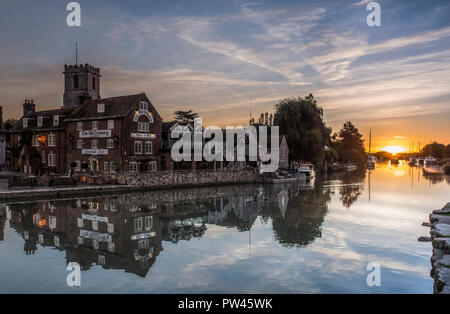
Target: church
{"type": "Point", "coordinates": [88, 133]}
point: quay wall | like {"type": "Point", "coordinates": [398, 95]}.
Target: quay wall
{"type": "Point", "coordinates": [440, 260]}
{"type": "Point", "coordinates": [187, 178]}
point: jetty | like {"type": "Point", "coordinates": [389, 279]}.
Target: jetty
{"type": "Point", "coordinates": [440, 260]}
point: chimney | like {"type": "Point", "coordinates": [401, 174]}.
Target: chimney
{"type": "Point", "coordinates": [28, 106]}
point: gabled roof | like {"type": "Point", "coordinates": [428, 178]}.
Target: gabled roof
{"type": "Point", "coordinates": [115, 107]}
{"type": "Point", "coordinates": [47, 123]}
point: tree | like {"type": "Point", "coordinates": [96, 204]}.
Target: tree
{"type": "Point", "coordinates": [301, 121]}
{"type": "Point", "coordinates": [26, 136]}
{"type": "Point", "coordinates": [185, 117]}
{"type": "Point", "coordinates": [349, 144]}
{"type": "Point", "coordinates": [10, 123]}
{"type": "Point", "coordinates": [434, 149]}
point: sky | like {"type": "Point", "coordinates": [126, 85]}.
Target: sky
{"type": "Point", "coordinates": [217, 57]}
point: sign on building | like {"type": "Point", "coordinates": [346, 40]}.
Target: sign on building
{"type": "Point", "coordinates": [95, 133]}
{"type": "Point", "coordinates": [94, 152]}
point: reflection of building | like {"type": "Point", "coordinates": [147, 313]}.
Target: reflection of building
{"type": "Point", "coordinates": [93, 232]}
{"type": "Point", "coordinates": [2, 221]}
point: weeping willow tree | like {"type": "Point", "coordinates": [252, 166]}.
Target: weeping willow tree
{"type": "Point", "coordinates": [301, 121]}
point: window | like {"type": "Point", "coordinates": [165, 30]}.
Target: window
{"type": "Point", "coordinates": [138, 222]}
{"type": "Point", "coordinates": [76, 81]}
{"type": "Point", "coordinates": [143, 106]}
{"type": "Point", "coordinates": [94, 144]}
{"type": "Point", "coordinates": [100, 108]}
{"type": "Point", "coordinates": [138, 147]}
{"type": "Point", "coordinates": [93, 83]}
{"type": "Point", "coordinates": [153, 166]}
{"type": "Point", "coordinates": [110, 143]}
{"type": "Point", "coordinates": [25, 122]}
{"type": "Point", "coordinates": [148, 223]}
{"type": "Point", "coordinates": [113, 167]}
{"type": "Point", "coordinates": [110, 124]}
{"type": "Point", "coordinates": [148, 147]}
{"type": "Point", "coordinates": [55, 120]}
{"type": "Point", "coordinates": [143, 126]}
{"type": "Point", "coordinates": [40, 121]}
{"type": "Point", "coordinates": [133, 167]}
{"type": "Point", "coordinates": [94, 125]}
{"type": "Point", "coordinates": [52, 140]}
{"type": "Point", "coordinates": [51, 160]}
{"type": "Point", "coordinates": [78, 167]}
{"type": "Point", "coordinates": [80, 144]}
{"type": "Point", "coordinates": [43, 157]}
{"type": "Point", "coordinates": [105, 167]}
{"type": "Point", "coordinates": [35, 141]}
{"type": "Point", "coordinates": [80, 126]}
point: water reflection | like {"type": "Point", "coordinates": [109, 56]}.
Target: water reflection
{"type": "Point", "coordinates": [241, 231]}
{"type": "Point", "coordinates": [126, 231]}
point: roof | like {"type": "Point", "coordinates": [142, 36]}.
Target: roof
{"type": "Point", "coordinates": [115, 107]}
{"type": "Point", "coordinates": [47, 123]}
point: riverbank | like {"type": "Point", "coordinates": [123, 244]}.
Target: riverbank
{"type": "Point", "coordinates": [440, 260]}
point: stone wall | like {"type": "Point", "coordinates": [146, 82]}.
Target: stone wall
{"type": "Point", "coordinates": [187, 178]}
{"type": "Point", "coordinates": [440, 261]}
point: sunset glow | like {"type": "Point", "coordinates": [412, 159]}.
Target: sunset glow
{"type": "Point", "coordinates": [394, 149]}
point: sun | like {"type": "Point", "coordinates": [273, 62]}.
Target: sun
{"type": "Point", "coordinates": [394, 149]}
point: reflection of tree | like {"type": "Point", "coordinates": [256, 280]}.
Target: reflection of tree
{"type": "Point", "coordinates": [303, 218]}
{"type": "Point", "coordinates": [435, 178]}
{"type": "Point", "coordinates": [352, 184]}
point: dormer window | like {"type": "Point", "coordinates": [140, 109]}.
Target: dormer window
{"type": "Point", "coordinates": [100, 108]}
{"type": "Point", "coordinates": [143, 106]}
{"type": "Point", "coordinates": [25, 122]}
{"type": "Point", "coordinates": [40, 121]}
{"type": "Point", "coordinates": [55, 120]}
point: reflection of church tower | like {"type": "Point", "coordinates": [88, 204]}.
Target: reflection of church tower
{"type": "Point", "coordinates": [81, 83]}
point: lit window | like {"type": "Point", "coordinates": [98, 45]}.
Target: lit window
{"type": "Point", "coordinates": [80, 144]}
{"type": "Point", "coordinates": [100, 108]}
{"type": "Point", "coordinates": [143, 106]}
{"type": "Point", "coordinates": [148, 147]}
{"type": "Point", "coordinates": [143, 126]}
{"type": "Point", "coordinates": [52, 140]}
{"type": "Point", "coordinates": [94, 144]}
{"type": "Point", "coordinates": [94, 125]}
{"type": "Point", "coordinates": [40, 121]}
{"type": "Point", "coordinates": [80, 126]}
{"type": "Point", "coordinates": [110, 124]}
{"type": "Point", "coordinates": [35, 141]}
{"type": "Point", "coordinates": [138, 147]}
{"type": "Point", "coordinates": [110, 143]}
{"type": "Point", "coordinates": [133, 167]}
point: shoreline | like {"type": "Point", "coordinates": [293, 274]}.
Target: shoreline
{"type": "Point", "coordinates": [440, 259]}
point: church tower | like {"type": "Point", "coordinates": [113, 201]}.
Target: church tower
{"type": "Point", "coordinates": [81, 83]}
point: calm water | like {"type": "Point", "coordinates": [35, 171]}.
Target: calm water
{"type": "Point", "coordinates": [255, 239]}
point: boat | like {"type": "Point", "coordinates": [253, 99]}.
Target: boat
{"type": "Point", "coordinates": [430, 161]}
{"type": "Point", "coordinates": [307, 170]}
{"type": "Point", "coordinates": [412, 161]}
{"type": "Point", "coordinates": [395, 161]}
{"type": "Point", "coordinates": [420, 161]}
{"type": "Point", "coordinates": [351, 167]}
{"type": "Point", "coordinates": [371, 159]}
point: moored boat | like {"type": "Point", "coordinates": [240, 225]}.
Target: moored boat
{"type": "Point", "coordinates": [307, 170]}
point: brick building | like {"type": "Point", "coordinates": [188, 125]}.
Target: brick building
{"type": "Point", "coordinates": [114, 134]}
{"type": "Point", "coordinates": [108, 135]}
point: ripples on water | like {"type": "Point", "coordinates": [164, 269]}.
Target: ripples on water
{"type": "Point", "coordinates": [257, 239]}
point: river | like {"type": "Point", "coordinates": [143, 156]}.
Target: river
{"type": "Point", "coordinates": [293, 238]}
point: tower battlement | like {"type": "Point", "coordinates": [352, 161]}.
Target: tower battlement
{"type": "Point", "coordinates": [81, 68]}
